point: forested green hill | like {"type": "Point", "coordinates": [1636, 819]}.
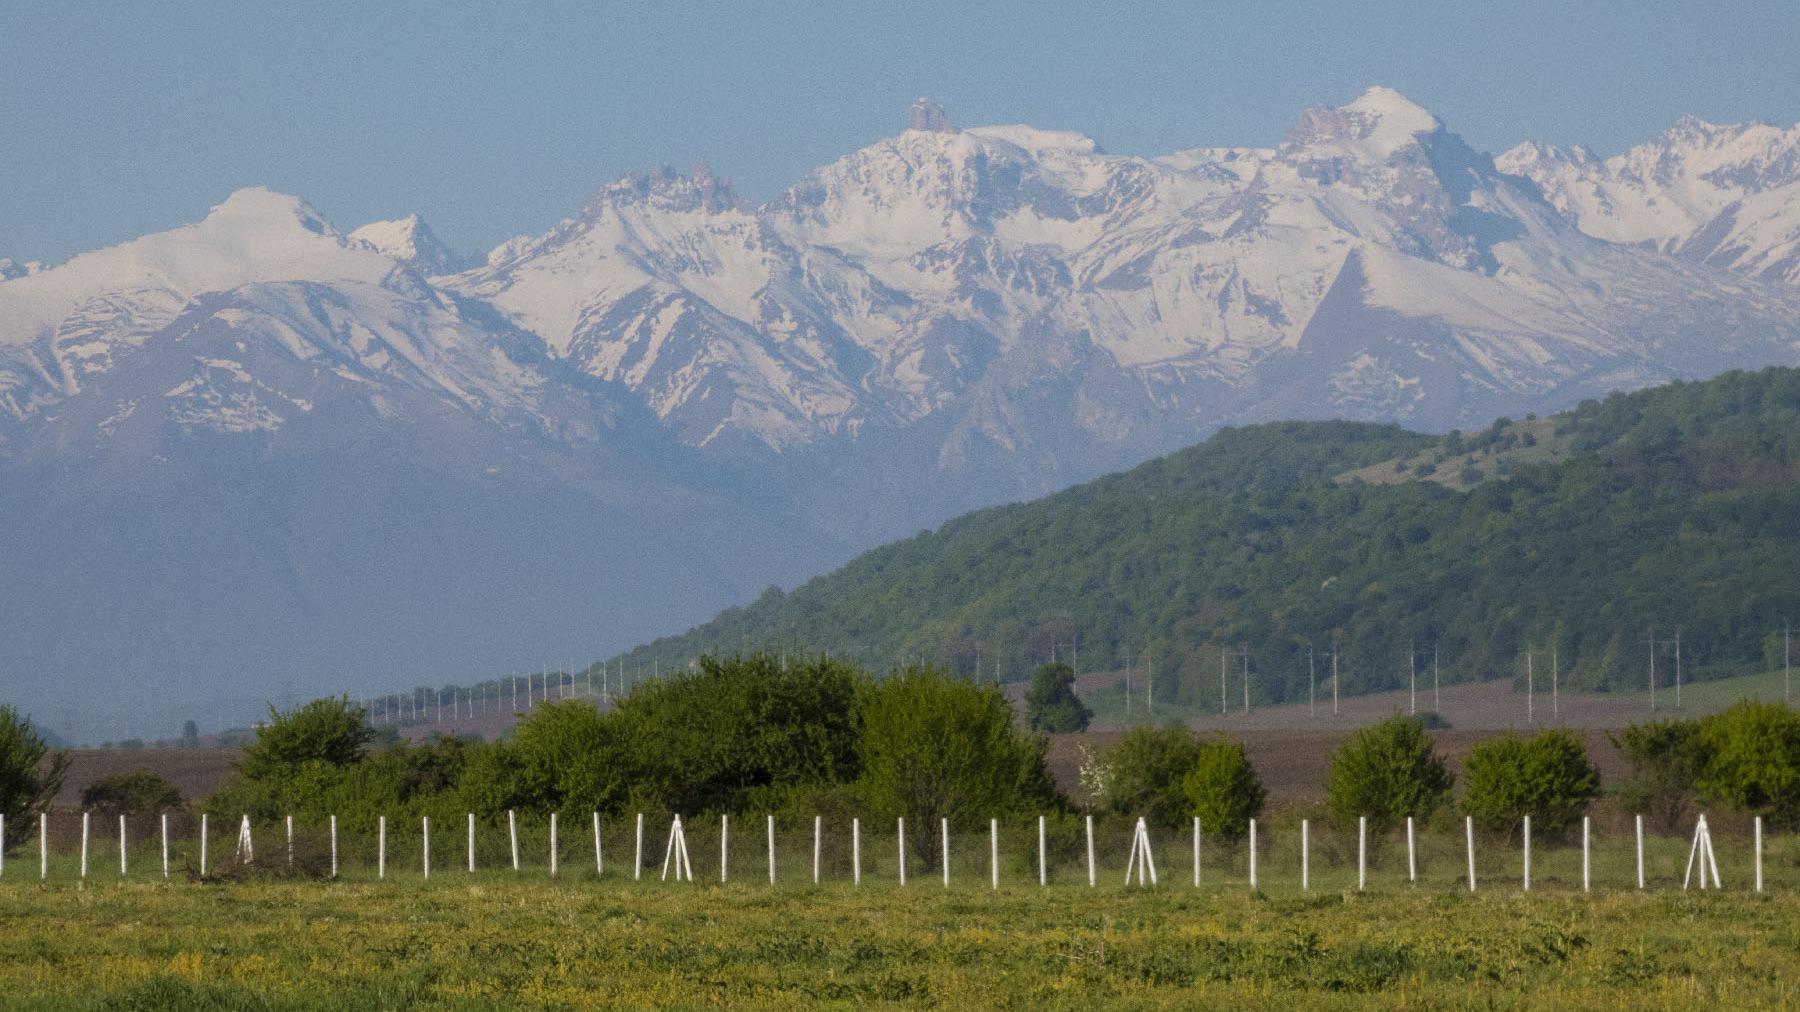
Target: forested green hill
{"type": "Point", "coordinates": [1672, 507]}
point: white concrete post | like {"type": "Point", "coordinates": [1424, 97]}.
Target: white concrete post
{"type": "Point", "coordinates": [1362, 852]}
{"type": "Point", "coordinates": [334, 846]}
{"type": "Point", "coordinates": [84, 843]}
{"type": "Point", "coordinates": [552, 844]}
{"type": "Point", "coordinates": [121, 845]}
{"type": "Point", "coordinates": [724, 845]}
{"type": "Point", "coordinates": [1640, 851]}
{"type": "Point", "coordinates": [1758, 831]}
{"type": "Point", "coordinates": [512, 835]}
{"type": "Point", "coordinates": [1253, 853]}
{"type": "Point", "coordinates": [1412, 854]}
{"type": "Point", "coordinates": [818, 832]}
{"type": "Point", "coordinates": [900, 846]}
{"type": "Point", "coordinates": [425, 846]}
{"type": "Point", "coordinates": [44, 845]}
{"type": "Point", "coordinates": [771, 825]}
{"type": "Point", "coordinates": [856, 851]}
{"type": "Point", "coordinates": [1196, 852]}
{"type": "Point", "coordinates": [599, 857]}
{"type": "Point", "coordinates": [381, 848]}
{"type": "Point", "coordinates": [1043, 869]}
{"type": "Point", "coordinates": [202, 844]}
{"type": "Point", "coordinates": [1586, 832]}
{"type": "Point", "coordinates": [1527, 887]}
{"type": "Point", "coordinates": [994, 851]}
{"type": "Point", "coordinates": [290, 840]}
{"type": "Point", "coordinates": [1469, 834]}
{"type": "Point", "coordinates": [471, 843]}
{"type": "Point", "coordinates": [165, 844]}
{"type": "Point", "coordinates": [637, 860]}
{"type": "Point", "coordinates": [944, 831]}
{"type": "Point", "coordinates": [1090, 851]}
{"type": "Point", "coordinates": [1305, 856]}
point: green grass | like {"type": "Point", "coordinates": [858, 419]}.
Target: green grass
{"type": "Point", "coordinates": [1717, 694]}
{"type": "Point", "coordinates": [499, 939]}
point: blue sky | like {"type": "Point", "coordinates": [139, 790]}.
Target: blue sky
{"type": "Point", "coordinates": [117, 119]}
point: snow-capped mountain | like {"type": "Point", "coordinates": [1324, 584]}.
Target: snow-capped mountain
{"type": "Point", "coordinates": [1723, 195]}
{"type": "Point", "coordinates": [257, 436]}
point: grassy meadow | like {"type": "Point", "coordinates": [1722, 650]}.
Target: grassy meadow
{"type": "Point", "coordinates": [496, 938]}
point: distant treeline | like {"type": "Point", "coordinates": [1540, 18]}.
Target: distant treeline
{"type": "Point", "coordinates": [1676, 508]}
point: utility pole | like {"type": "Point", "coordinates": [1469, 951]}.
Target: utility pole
{"type": "Point", "coordinates": [1311, 709]}
{"type": "Point", "coordinates": [1334, 677]}
{"type": "Point", "coordinates": [1555, 686]}
{"type": "Point", "coordinates": [1149, 688]}
{"type": "Point", "coordinates": [1677, 667]}
{"type": "Point", "coordinates": [1437, 705]}
{"type": "Point", "coordinates": [1222, 663]}
{"type": "Point", "coordinates": [1245, 650]}
{"type": "Point", "coordinates": [1412, 677]}
{"type": "Point", "coordinates": [1787, 666]}
{"type": "Point", "coordinates": [1651, 639]}
{"type": "Point", "coordinates": [1529, 713]}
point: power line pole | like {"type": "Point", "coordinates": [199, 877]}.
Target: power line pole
{"type": "Point", "coordinates": [1437, 705]}
{"type": "Point", "coordinates": [1222, 663]}
{"type": "Point", "coordinates": [1677, 667]}
{"type": "Point", "coordinates": [1244, 649]}
{"type": "Point", "coordinates": [1412, 677]}
{"type": "Point", "coordinates": [1312, 710]}
{"type": "Point", "coordinates": [1530, 717]}
{"type": "Point", "coordinates": [1555, 685]}
{"type": "Point", "coordinates": [1334, 677]}
{"type": "Point", "coordinates": [1787, 666]}
{"type": "Point", "coordinates": [1650, 638]}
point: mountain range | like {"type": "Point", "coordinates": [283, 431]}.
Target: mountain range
{"type": "Point", "coordinates": [258, 448]}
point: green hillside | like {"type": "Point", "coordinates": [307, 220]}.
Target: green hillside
{"type": "Point", "coordinates": [1678, 506]}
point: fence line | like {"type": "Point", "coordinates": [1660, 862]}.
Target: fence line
{"type": "Point", "coordinates": [1140, 858]}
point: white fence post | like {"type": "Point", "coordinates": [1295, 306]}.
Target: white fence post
{"type": "Point", "coordinates": [771, 825]}
{"type": "Point", "coordinates": [84, 844]}
{"type": "Point", "coordinates": [553, 844]}
{"type": "Point", "coordinates": [1527, 887]}
{"type": "Point", "coordinates": [855, 851]}
{"type": "Point", "coordinates": [512, 836]}
{"type": "Point", "coordinates": [44, 845]}
{"type": "Point", "coordinates": [202, 844]}
{"type": "Point", "coordinates": [1253, 853]}
{"type": "Point", "coordinates": [1305, 856]}
{"type": "Point", "coordinates": [724, 845]}
{"type": "Point", "coordinates": [165, 844]}
{"type": "Point", "coordinates": [637, 860]}
{"type": "Point", "coordinates": [334, 863]}
{"type": "Point", "coordinates": [1043, 870]}
{"type": "Point", "coordinates": [994, 851]}
{"type": "Point", "coordinates": [1362, 852]}
{"type": "Point", "coordinates": [1585, 834]}
{"type": "Point", "coordinates": [818, 834]}
{"type": "Point", "coordinates": [599, 855]}
{"type": "Point", "coordinates": [1640, 851]}
{"type": "Point", "coordinates": [1196, 852]}
{"type": "Point", "coordinates": [944, 830]}
{"type": "Point", "coordinates": [1758, 830]}
{"type": "Point", "coordinates": [471, 843]}
{"type": "Point", "coordinates": [381, 849]}
{"type": "Point", "coordinates": [1090, 852]}
{"type": "Point", "coordinates": [1469, 834]}
{"type": "Point", "coordinates": [900, 846]}
{"type": "Point", "coordinates": [1412, 854]}
{"type": "Point", "coordinates": [425, 846]}
{"type": "Point", "coordinates": [121, 845]}
{"type": "Point", "coordinates": [290, 841]}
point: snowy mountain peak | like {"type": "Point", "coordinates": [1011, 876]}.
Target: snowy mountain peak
{"type": "Point", "coordinates": [666, 189]}
{"type": "Point", "coordinates": [411, 241]}
{"type": "Point", "coordinates": [258, 206]}
{"type": "Point", "coordinates": [1377, 124]}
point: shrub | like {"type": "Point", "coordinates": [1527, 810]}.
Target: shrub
{"type": "Point", "coordinates": [564, 756]}
{"type": "Point", "coordinates": [330, 731]}
{"type": "Point", "coordinates": [1751, 756]}
{"type": "Point", "coordinates": [934, 747]}
{"type": "Point", "coordinates": [1669, 759]}
{"type": "Point", "coordinates": [707, 740]}
{"type": "Point", "coordinates": [131, 793]}
{"type": "Point", "coordinates": [1223, 790]}
{"type": "Point", "coordinates": [1387, 771]}
{"type": "Point", "coordinates": [1144, 772]}
{"type": "Point", "coordinates": [30, 774]}
{"type": "Point", "coordinates": [1051, 703]}
{"type": "Point", "coordinates": [1546, 776]}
